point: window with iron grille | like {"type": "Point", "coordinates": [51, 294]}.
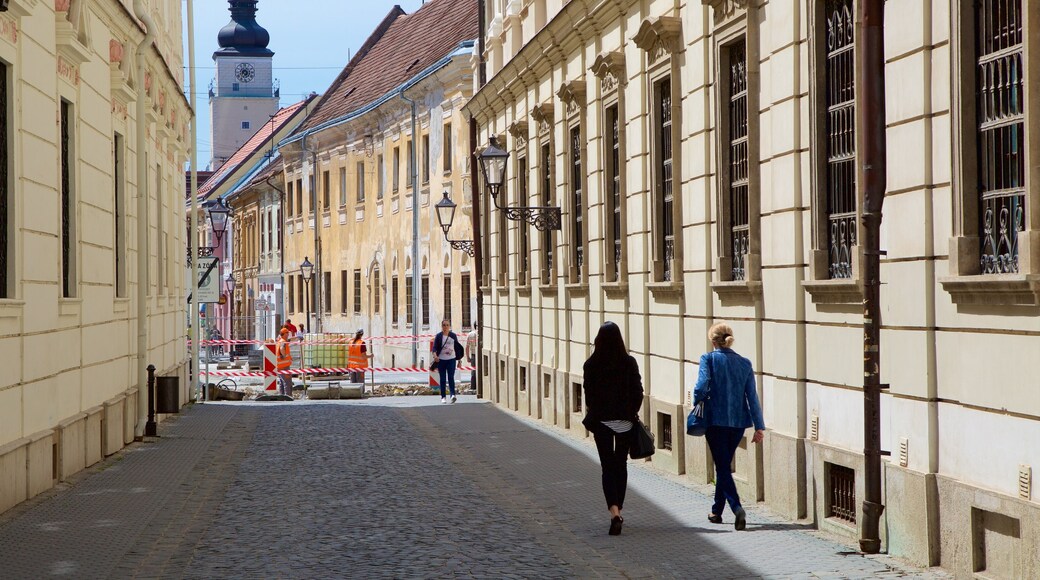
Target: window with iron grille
{"type": "Point", "coordinates": [299, 197]}
{"type": "Point", "coordinates": [1000, 112]}
{"type": "Point", "coordinates": [446, 153]}
{"type": "Point", "coordinates": [447, 297]}
{"type": "Point", "coordinates": [5, 194]}
{"type": "Point", "coordinates": [376, 291]}
{"type": "Point", "coordinates": [523, 379]}
{"type": "Point", "coordinates": [360, 181]}
{"type": "Point", "coordinates": [523, 259]}
{"type": "Point", "coordinates": [467, 319]}
{"type": "Point", "coordinates": [577, 226]}
{"type": "Point", "coordinates": [395, 299]}
{"type": "Point", "coordinates": [425, 158]}
{"type": "Point", "coordinates": [119, 176]}
{"type": "Point", "coordinates": [666, 222]}
{"type": "Point", "coordinates": [326, 302]}
{"type": "Point", "coordinates": [67, 268]}
{"type": "Point", "coordinates": [342, 186]}
{"type": "Point", "coordinates": [396, 177]}
{"type": "Point", "coordinates": [326, 189]}
{"type": "Point", "coordinates": [547, 235]}
{"type": "Point", "coordinates": [343, 291]}
{"type": "Point", "coordinates": [841, 493]}
{"type": "Point", "coordinates": [576, 397]}
{"type": "Point", "coordinates": [664, 428]}
{"type": "Point", "coordinates": [357, 291]}
{"type": "Point", "coordinates": [409, 292]}
{"type": "Point", "coordinates": [160, 270]}
{"type": "Point", "coordinates": [613, 197]}
{"type": "Point", "coordinates": [425, 300]}
{"type": "Point", "coordinates": [840, 87]}
{"type": "Point", "coordinates": [739, 224]}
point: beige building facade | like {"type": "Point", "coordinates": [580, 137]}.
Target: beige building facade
{"type": "Point", "coordinates": [704, 158]}
{"type": "Point", "coordinates": [349, 194]}
{"type": "Point", "coordinates": [69, 316]}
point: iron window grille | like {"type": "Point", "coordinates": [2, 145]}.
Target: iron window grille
{"type": "Point", "coordinates": [666, 237]}
{"type": "Point", "coordinates": [841, 491]}
{"type": "Point", "coordinates": [577, 247]}
{"type": "Point", "coordinates": [614, 192]}
{"type": "Point", "coordinates": [664, 427]}
{"type": "Point", "coordinates": [326, 288]}
{"type": "Point", "coordinates": [425, 300]}
{"type": "Point", "coordinates": [119, 175]}
{"type": "Point", "coordinates": [357, 291]}
{"type": "Point", "coordinates": [576, 389]}
{"type": "Point", "coordinates": [1000, 87]}
{"type": "Point", "coordinates": [395, 297]}
{"type": "Point", "coordinates": [523, 379]}
{"type": "Point", "coordinates": [343, 291]}
{"type": "Point", "coordinates": [547, 236]}
{"type": "Point", "coordinates": [739, 224]}
{"type": "Point", "coordinates": [409, 292]}
{"type": "Point", "coordinates": [841, 136]}
{"type": "Point", "coordinates": [467, 319]}
{"type": "Point", "coordinates": [5, 194]}
{"type": "Point", "coordinates": [523, 257]}
{"type": "Point", "coordinates": [66, 202]}
{"type": "Point", "coordinates": [447, 296]}
{"type": "Point", "coordinates": [376, 292]}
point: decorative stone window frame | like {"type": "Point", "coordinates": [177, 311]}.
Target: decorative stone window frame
{"type": "Point", "coordinates": [519, 131]}
{"type": "Point", "coordinates": [543, 118]}
{"type": "Point", "coordinates": [736, 22]}
{"type": "Point", "coordinates": [72, 31]}
{"type": "Point", "coordinates": [609, 68]}
{"type": "Point", "coordinates": [966, 285]}
{"type": "Point", "coordinates": [820, 286]}
{"type": "Point", "coordinates": [573, 96]}
{"type": "Point", "coordinates": [661, 39]}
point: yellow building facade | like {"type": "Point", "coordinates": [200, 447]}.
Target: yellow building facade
{"type": "Point", "coordinates": [704, 158]}
{"type": "Point", "coordinates": [69, 316]}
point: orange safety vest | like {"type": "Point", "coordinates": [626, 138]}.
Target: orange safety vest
{"type": "Point", "coordinates": [356, 358]}
{"type": "Point", "coordinates": [284, 357]}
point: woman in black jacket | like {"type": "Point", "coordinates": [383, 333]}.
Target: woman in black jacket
{"type": "Point", "coordinates": [613, 395]}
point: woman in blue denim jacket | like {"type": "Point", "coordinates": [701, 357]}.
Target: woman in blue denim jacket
{"type": "Point", "coordinates": [732, 406]}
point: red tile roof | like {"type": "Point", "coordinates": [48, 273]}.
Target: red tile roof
{"type": "Point", "coordinates": [258, 141]}
{"type": "Point", "coordinates": [201, 176]}
{"type": "Point", "coordinates": [401, 47]}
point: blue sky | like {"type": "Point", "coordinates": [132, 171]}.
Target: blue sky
{"type": "Point", "coordinates": [311, 40]}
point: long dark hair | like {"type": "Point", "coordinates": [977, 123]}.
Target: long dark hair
{"type": "Point", "coordinates": [609, 345]}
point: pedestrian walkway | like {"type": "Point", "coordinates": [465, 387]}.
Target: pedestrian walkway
{"type": "Point", "coordinates": [400, 487]}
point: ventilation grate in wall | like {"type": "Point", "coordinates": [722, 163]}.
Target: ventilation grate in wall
{"type": "Point", "coordinates": [1025, 481]}
{"type": "Point", "coordinates": [903, 452]}
{"type": "Point", "coordinates": [814, 428]}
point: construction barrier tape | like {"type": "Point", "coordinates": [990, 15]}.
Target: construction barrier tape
{"type": "Point", "coordinates": [404, 338]}
{"type": "Point", "coordinates": [323, 371]}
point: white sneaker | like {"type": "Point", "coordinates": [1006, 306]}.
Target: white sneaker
{"type": "Point", "coordinates": [453, 399]}
{"type": "Point", "coordinates": [443, 400]}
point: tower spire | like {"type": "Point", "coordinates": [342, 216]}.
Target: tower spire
{"type": "Point", "coordinates": [243, 35]}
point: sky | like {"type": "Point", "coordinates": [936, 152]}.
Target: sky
{"type": "Point", "coordinates": [311, 40]}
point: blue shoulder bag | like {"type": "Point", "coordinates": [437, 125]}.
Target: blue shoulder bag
{"type": "Point", "coordinates": [699, 419]}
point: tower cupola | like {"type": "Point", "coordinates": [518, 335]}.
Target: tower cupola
{"type": "Point", "coordinates": [243, 36]}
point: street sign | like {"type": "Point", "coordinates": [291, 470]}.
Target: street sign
{"type": "Point", "coordinates": [260, 304]}
{"type": "Point", "coordinates": [209, 289]}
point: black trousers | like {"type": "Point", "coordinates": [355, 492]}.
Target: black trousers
{"type": "Point", "coordinates": [613, 457]}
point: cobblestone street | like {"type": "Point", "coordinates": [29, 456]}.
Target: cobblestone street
{"type": "Point", "coordinates": [394, 488]}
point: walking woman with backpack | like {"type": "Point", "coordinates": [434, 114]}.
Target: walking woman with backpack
{"type": "Point", "coordinates": [729, 404]}
{"type": "Point", "coordinates": [613, 395]}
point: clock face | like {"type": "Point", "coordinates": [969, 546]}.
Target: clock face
{"type": "Point", "coordinates": [245, 72]}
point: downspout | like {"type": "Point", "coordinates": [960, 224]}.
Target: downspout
{"type": "Point", "coordinates": [193, 234]}
{"type": "Point", "coordinates": [281, 239]}
{"type": "Point", "coordinates": [478, 256]}
{"type": "Point", "coordinates": [413, 159]}
{"type": "Point", "coordinates": [316, 279]}
{"type": "Point", "coordinates": [142, 220]}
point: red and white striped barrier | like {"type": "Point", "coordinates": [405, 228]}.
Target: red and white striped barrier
{"type": "Point", "coordinates": [400, 338]}
{"type": "Point", "coordinates": [318, 371]}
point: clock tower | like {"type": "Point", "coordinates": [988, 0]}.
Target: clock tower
{"type": "Point", "coordinates": [243, 97]}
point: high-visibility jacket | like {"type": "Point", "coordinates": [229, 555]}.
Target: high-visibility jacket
{"type": "Point", "coordinates": [284, 357]}
{"type": "Point", "coordinates": [356, 358]}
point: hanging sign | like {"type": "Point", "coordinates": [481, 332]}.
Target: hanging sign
{"type": "Point", "coordinates": [208, 271]}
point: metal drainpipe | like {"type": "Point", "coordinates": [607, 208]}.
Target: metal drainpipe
{"type": "Point", "coordinates": [415, 229]}
{"type": "Point", "coordinates": [142, 220]}
{"type": "Point", "coordinates": [193, 236]}
{"type": "Point", "coordinates": [281, 237]}
{"type": "Point", "coordinates": [316, 279]}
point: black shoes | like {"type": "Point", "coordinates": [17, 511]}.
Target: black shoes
{"type": "Point", "coordinates": [615, 525]}
{"type": "Point", "coordinates": [741, 521]}
{"type": "Point", "coordinates": [715, 519]}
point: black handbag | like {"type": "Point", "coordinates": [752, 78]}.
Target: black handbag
{"type": "Point", "coordinates": [699, 419]}
{"type": "Point", "coordinates": [642, 446]}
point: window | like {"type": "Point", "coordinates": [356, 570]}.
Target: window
{"type": "Point", "coordinates": [426, 159]}
{"type": "Point", "coordinates": [446, 152]}
{"type": "Point", "coordinates": [411, 164]}
{"type": "Point", "coordinates": [576, 397]}
{"type": "Point", "coordinates": [160, 273]}
{"type": "Point", "coordinates": [304, 299]}
{"type": "Point", "coordinates": [396, 178]}
{"type": "Point", "coordinates": [577, 226]}
{"type": "Point", "coordinates": [841, 493]}
{"type": "Point", "coordinates": [68, 268]}
{"type": "Point", "coordinates": [665, 234]}
{"type": "Point", "coordinates": [379, 177]}
{"type": "Point", "coordinates": [613, 197]}
{"type": "Point", "coordinates": [361, 182]}
{"type": "Point", "coordinates": [467, 319]}
{"type": "Point", "coordinates": [840, 86]}
{"type": "Point", "coordinates": [377, 291]}
{"type": "Point", "coordinates": [342, 186]}
{"type": "Point", "coordinates": [425, 300]}
{"type": "Point", "coordinates": [289, 199]}
{"type": "Point", "coordinates": [447, 296]}
{"type": "Point", "coordinates": [547, 236]}
{"type": "Point", "coordinates": [234, 86]}
{"type": "Point", "coordinates": [290, 296]}
{"type": "Point", "coordinates": [313, 194]}
{"type": "Point", "coordinates": [503, 236]}
{"type": "Point", "coordinates": [357, 291]}
{"type": "Point", "coordinates": [737, 162]}
{"type": "Point", "coordinates": [299, 197]}
{"type": "Point", "coordinates": [119, 176]}
{"type": "Point", "coordinates": [409, 292]}
{"type": "Point", "coordinates": [245, 124]}
{"type": "Point", "coordinates": [1000, 112]}
{"type": "Point", "coordinates": [395, 297]}
{"type": "Point", "coordinates": [343, 291]}
{"type": "Point", "coordinates": [326, 191]}
{"type": "Point", "coordinates": [664, 427]}
{"type": "Point", "coordinates": [523, 259]}
{"type": "Point", "coordinates": [326, 302]}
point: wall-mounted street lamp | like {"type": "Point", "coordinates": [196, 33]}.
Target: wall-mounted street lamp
{"type": "Point", "coordinates": [446, 215]}
{"type": "Point", "coordinates": [307, 271]}
{"type": "Point", "coordinates": [229, 285]}
{"type": "Point", "coordinates": [218, 219]}
{"type": "Point", "coordinates": [493, 166]}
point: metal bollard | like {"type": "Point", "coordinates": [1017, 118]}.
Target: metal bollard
{"type": "Point", "coordinates": [150, 429]}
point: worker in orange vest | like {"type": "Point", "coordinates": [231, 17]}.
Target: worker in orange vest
{"type": "Point", "coordinates": [283, 361]}
{"type": "Point", "coordinates": [357, 357]}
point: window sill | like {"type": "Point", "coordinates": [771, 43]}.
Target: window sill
{"type": "Point", "coordinates": [549, 288]}
{"type": "Point", "coordinates": [11, 308]}
{"type": "Point", "coordinates": [70, 306]}
{"type": "Point", "coordinates": [577, 288]}
{"type": "Point", "coordinates": [524, 290]}
{"type": "Point", "coordinates": [615, 289]}
{"type": "Point", "coordinates": [666, 289]}
{"type": "Point", "coordinates": [502, 289]}
{"type": "Point", "coordinates": [844, 291]}
{"type": "Point", "coordinates": [738, 291]}
{"type": "Point", "coordinates": [994, 289]}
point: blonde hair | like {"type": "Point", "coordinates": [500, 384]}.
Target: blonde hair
{"type": "Point", "coordinates": [721, 335]}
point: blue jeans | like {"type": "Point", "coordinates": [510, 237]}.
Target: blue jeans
{"type": "Point", "coordinates": [446, 368]}
{"type": "Point", "coordinates": [723, 442]}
